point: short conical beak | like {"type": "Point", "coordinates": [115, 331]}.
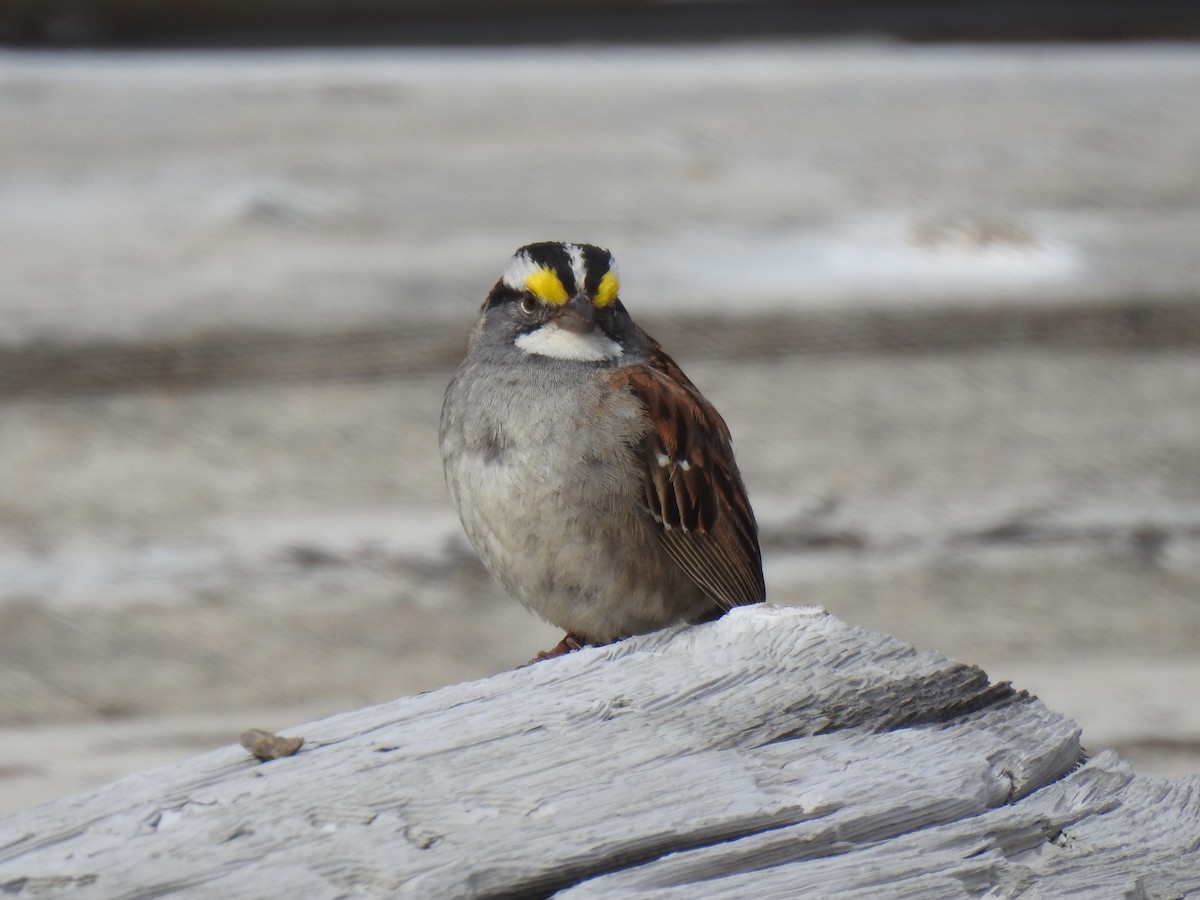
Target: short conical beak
{"type": "Point", "coordinates": [577, 315]}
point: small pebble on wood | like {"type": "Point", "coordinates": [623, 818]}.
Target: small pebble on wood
{"type": "Point", "coordinates": [265, 746]}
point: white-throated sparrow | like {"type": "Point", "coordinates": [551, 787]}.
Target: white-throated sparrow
{"type": "Point", "coordinates": [591, 476]}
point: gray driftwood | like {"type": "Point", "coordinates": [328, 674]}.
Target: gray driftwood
{"type": "Point", "coordinates": [778, 752]}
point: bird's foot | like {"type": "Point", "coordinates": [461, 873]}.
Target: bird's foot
{"type": "Point", "coordinates": [569, 644]}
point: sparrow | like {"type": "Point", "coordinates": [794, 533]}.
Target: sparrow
{"type": "Point", "coordinates": [596, 483]}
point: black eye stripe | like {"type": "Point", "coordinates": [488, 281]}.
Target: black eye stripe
{"type": "Point", "coordinates": [500, 293]}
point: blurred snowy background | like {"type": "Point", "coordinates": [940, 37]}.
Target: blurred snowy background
{"type": "Point", "coordinates": [947, 296]}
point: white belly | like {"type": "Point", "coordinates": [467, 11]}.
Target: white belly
{"type": "Point", "coordinates": [558, 517]}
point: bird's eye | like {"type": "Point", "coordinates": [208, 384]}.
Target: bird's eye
{"type": "Point", "coordinates": [529, 304]}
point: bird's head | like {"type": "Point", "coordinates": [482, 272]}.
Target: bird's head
{"type": "Point", "coordinates": [560, 301]}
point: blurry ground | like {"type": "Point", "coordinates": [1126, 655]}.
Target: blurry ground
{"type": "Point", "coordinates": [945, 297]}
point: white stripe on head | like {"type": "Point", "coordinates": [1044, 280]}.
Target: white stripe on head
{"type": "Point", "coordinates": [559, 343]}
{"type": "Point", "coordinates": [575, 254]}
{"type": "Point", "coordinates": [518, 270]}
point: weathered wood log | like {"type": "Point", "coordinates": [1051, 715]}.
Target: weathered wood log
{"type": "Point", "coordinates": [773, 753]}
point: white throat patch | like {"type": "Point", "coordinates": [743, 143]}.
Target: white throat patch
{"type": "Point", "coordinates": [558, 343]}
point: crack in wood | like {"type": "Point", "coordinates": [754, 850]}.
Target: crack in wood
{"type": "Point", "coordinates": [547, 884]}
{"type": "Point", "coordinates": [937, 699]}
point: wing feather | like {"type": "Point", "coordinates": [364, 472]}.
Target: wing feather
{"type": "Point", "coordinates": [692, 484]}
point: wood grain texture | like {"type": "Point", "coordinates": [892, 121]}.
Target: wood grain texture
{"type": "Point", "coordinates": [773, 752]}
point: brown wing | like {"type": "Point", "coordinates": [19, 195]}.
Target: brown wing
{"type": "Point", "coordinates": [693, 488]}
